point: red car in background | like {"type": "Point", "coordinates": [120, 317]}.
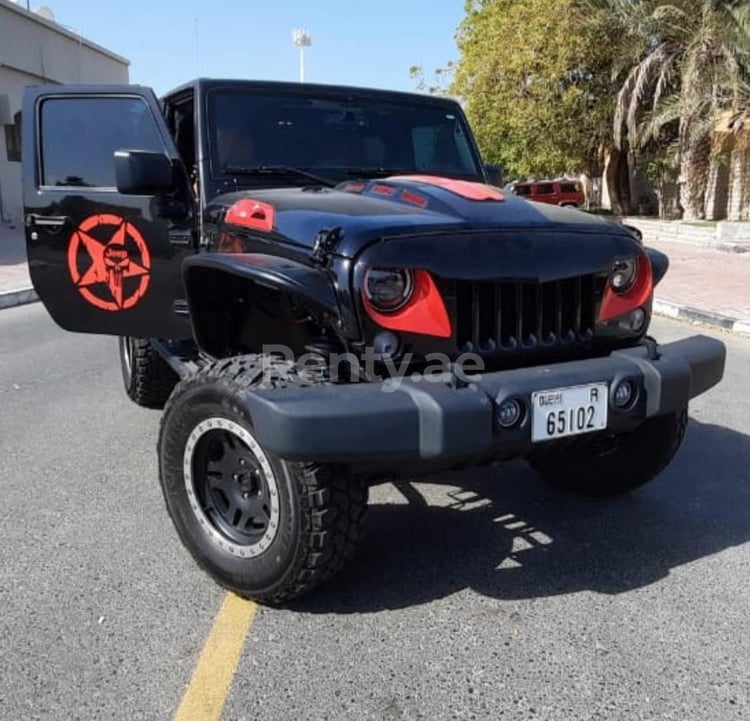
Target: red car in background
{"type": "Point", "coordinates": [554, 192]}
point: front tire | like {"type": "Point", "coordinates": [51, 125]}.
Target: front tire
{"type": "Point", "coordinates": [262, 527]}
{"type": "Point", "coordinates": [604, 466]}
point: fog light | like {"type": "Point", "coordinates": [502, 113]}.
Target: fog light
{"type": "Point", "coordinates": [624, 394]}
{"type": "Point", "coordinates": [634, 321]}
{"type": "Point", "coordinates": [509, 413]}
{"type": "Point", "coordinates": [385, 345]}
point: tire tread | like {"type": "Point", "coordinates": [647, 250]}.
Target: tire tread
{"type": "Point", "coordinates": [333, 505]}
{"type": "Point", "coordinates": [152, 380]}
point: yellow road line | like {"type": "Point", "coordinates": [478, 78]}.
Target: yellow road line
{"type": "Point", "coordinates": [209, 685]}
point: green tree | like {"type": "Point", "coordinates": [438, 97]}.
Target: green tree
{"type": "Point", "coordinates": [535, 78]}
{"type": "Point", "coordinates": [440, 82]}
{"type": "Point", "coordinates": [682, 62]}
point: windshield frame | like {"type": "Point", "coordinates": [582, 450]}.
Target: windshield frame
{"type": "Point", "coordinates": [360, 96]}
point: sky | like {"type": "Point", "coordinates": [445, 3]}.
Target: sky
{"type": "Point", "coordinates": [354, 43]}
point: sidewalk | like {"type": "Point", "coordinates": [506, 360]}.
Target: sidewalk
{"type": "Point", "coordinates": [15, 283]}
{"type": "Point", "coordinates": [706, 286]}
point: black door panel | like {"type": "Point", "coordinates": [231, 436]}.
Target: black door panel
{"type": "Point", "coordinates": [103, 261]}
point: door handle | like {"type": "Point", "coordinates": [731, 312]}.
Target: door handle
{"type": "Point", "coordinates": [47, 221]}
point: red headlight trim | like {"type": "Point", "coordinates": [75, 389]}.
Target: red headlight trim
{"type": "Point", "coordinates": [425, 313]}
{"type": "Point", "coordinates": [616, 304]}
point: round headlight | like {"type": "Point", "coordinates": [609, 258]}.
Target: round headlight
{"type": "Point", "coordinates": [623, 275]}
{"type": "Point", "coordinates": [388, 289]}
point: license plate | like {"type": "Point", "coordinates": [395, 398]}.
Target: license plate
{"type": "Point", "coordinates": [570, 411]}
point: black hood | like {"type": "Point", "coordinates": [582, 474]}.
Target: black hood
{"type": "Point", "coordinates": [375, 211]}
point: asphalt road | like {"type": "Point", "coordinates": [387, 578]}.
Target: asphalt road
{"type": "Point", "coordinates": [485, 596]}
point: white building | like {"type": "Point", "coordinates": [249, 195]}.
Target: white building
{"type": "Point", "coordinates": [35, 50]}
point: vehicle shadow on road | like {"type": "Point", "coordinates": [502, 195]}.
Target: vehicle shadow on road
{"type": "Point", "coordinates": [507, 536]}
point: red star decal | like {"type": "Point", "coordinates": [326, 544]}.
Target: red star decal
{"type": "Point", "coordinates": [111, 263]}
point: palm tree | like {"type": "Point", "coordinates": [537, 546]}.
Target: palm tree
{"type": "Point", "coordinates": [684, 61]}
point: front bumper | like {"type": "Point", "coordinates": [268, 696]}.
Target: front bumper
{"type": "Point", "coordinates": [420, 421]}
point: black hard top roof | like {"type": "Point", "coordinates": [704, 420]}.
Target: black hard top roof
{"type": "Point", "coordinates": [202, 84]}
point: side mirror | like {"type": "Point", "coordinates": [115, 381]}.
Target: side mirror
{"type": "Point", "coordinates": [142, 172]}
{"type": "Point", "coordinates": [494, 173]}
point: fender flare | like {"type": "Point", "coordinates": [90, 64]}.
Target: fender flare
{"type": "Point", "coordinates": [203, 270]}
{"type": "Point", "coordinates": [659, 263]}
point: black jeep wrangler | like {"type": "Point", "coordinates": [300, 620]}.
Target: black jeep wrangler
{"type": "Point", "coordinates": [323, 291]}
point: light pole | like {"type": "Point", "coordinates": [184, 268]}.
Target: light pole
{"type": "Point", "coordinates": [301, 39]}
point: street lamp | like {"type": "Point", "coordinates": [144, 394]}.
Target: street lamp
{"type": "Point", "coordinates": [301, 39]}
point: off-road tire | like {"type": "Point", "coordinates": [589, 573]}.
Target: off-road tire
{"type": "Point", "coordinates": [604, 466]}
{"type": "Point", "coordinates": [147, 377]}
{"type": "Point", "coordinates": [321, 509]}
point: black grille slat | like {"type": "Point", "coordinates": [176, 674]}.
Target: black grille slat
{"type": "Point", "coordinates": [570, 331]}
{"type": "Point", "coordinates": [487, 317]}
{"type": "Point", "coordinates": [507, 316]}
{"type": "Point", "coordinates": [548, 313]}
{"type": "Point", "coordinates": [539, 331]}
{"type": "Point", "coordinates": [518, 329]}
{"type": "Point", "coordinates": [497, 312]}
{"type": "Point", "coordinates": [507, 311]}
{"type": "Point", "coordinates": [588, 304]}
{"type": "Point", "coordinates": [528, 329]}
{"type": "Point", "coordinates": [463, 314]}
{"type": "Point", "coordinates": [476, 308]}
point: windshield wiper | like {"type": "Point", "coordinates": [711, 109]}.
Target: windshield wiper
{"type": "Point", "coordinates": [286, 170]}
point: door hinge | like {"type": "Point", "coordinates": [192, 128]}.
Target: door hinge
{"type": "Point", "coordinates": [326, 242]}
{"type": "Point", "coordinates": [182, 237]}
{"type": "Point", "coordinates": [181, 308]}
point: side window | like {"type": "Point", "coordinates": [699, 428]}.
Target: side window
{"type": "Point", "coordinates": [80, 135]}
{"type": "Point", "coordinates": [569, 188]}
{"type": "Point", "coordinates": [545, 189]}
{"type": "Point", "coordinates": [523, 190]}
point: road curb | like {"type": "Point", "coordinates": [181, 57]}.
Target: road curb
{"type": "Point", "coordinates": [20, 296]}
{"type": "Point", "coordinates": [694, 315]}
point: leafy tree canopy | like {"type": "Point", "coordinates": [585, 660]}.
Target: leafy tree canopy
{"type": "Point", "coordinates": [686, 62]}
{"type": "Point", "coordinates": [535, 77]}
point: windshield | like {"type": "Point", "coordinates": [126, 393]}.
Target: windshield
{"type": "Point", "coordinates": [336, 137]}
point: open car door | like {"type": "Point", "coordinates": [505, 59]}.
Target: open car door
{"type": "Point", "coordinates": [109, 211]}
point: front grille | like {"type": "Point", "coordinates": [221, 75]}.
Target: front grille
{"type": "Point", "coordinates": [508, 316]}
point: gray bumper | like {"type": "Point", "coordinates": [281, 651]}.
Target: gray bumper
{"type": "Point", "coordinates": [428, 421]}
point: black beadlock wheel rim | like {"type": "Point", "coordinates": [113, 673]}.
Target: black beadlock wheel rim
{"type": "Point", "coordinates": [231, 487]}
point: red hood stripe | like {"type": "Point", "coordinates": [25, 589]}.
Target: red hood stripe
{"type": "Point", "coordinates": [465, 188]}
